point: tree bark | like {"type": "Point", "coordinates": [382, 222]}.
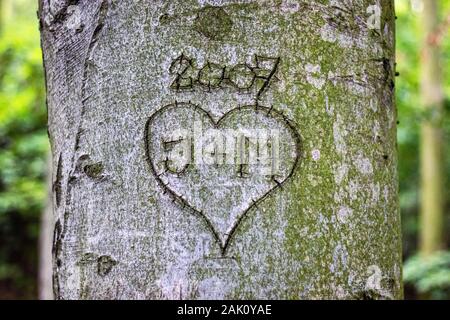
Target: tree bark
{"type": "Point", "coordinates": [432, 140]}
{"type": "Point", "coordinates": [306, 210]}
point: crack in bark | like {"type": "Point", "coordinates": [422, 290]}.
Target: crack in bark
{"type": "Point", "coordinates": [56, 250]}
{"type": "Point", "coordinates": [57, 184]}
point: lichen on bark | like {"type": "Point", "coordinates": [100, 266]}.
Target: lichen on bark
{"type": "Point", "coordinates": [331, 231]}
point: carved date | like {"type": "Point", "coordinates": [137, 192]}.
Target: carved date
{"type": "Point", "coordinates": [212, 76]}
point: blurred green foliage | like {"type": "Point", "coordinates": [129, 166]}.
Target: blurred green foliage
{"type": "Point", "coordinates": [23, 149]}
{"type": "Point", "coordinates": [430, 275]}
{"type": "Point", "coordinates": [410, 114]}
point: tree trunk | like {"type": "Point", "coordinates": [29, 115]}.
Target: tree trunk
{"type": "Point", "coordinates": [432, 170]}
{"type": "Point", "coordinates": [222, 149]}
{"type": "Point", "coordinates": [45, 290]}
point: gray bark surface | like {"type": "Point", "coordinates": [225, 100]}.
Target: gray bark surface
{"type": "Point", "coordinates": [124, 76]}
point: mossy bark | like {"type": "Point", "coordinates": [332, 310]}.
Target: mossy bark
{"type": "Point", "coordinates": [330, 229]}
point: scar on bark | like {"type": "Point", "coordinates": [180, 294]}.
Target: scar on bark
{"type": "Point", "coordinates": [56, 251]}
{"type": "Point", "coordinates": [54, 19]}
{"type": "Point", "coordinates": [94, 170]}
{"type": "Point", "coordinates": [57, 187]}
{"type": "Point", "coordinates": [102, 13]}
{"type": "Point", "coordinates": [213, 22]}
{"type": "Point", "coordinates": [105, 264]}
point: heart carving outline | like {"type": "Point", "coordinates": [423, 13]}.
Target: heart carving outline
{"type": "Point", "coordinates": [179, 199]}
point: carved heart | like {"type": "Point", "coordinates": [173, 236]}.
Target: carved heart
{"type": "Point", "coordinates": [221, 169]}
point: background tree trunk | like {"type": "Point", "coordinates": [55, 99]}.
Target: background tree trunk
{"type": "Point", "coordinates": [124, 77]}
{"type": "Point", "coordinates": [5, 12]}
{"type": "Point", "coordinates": [45, 242]}
{"type": "Point", "coordinates": [432, 170]}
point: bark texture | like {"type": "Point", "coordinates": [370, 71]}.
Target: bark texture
{"type": "Point", "coordinates": [123, 76]}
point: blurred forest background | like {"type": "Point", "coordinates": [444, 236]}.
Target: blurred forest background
{"type": "Point", "coordinates": [24, 150]}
